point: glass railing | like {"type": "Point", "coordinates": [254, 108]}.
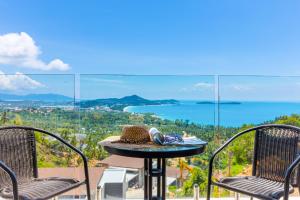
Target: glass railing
{"type": "Point", "coordinates": [46, 102]}
{"type": "Point", "coordinates": [172, 104]}
{"type": "Point", "coordinates": [88, 108]}
{"type": "Point", "coordinates": [41, 101]}
{"type": "Point", "coordinates": [247, 101]}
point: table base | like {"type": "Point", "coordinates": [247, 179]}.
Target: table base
{"type": "Point", "coordinates": [160, 173]}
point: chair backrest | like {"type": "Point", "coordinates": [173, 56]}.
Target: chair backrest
{"type": "Point", "coordinates": [276, 147]}
{"type": "Point", "coordinates": [18, 152]}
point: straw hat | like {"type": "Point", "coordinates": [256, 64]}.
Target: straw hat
{"type": "Point", "coordinates": [135, 135]}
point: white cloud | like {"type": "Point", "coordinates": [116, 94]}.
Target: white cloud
{"type": "Point", "coordinates": [241, 87]}
{"type": "Point", "coordinates": [20, 49]}
{"type": "Point", "coordinates": [18, 81]}
{"type": "Point", "coordinates": [198, 87]}
{"type": "Point", "coordinates": [204, 85]}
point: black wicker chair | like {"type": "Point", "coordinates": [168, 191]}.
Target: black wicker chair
{"type": "Point", "coordinates": [19, 172]}
{"type": "Point", "coordinates": [275, 164]}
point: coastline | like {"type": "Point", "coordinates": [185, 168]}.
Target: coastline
{"type": "Point", "coordinates": [127, 109]}
{"type": "Point", "coordinates": [230, 115]}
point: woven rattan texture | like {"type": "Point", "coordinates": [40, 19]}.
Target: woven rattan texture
{"type": "Point", "coordinates": [17, 151]}
{"type": "Point", "coordinates": [276, 148]}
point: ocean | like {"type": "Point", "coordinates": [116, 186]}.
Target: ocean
{"type": "Point", "coordinates": [226, 114]}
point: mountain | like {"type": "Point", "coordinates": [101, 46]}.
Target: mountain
{"type": "Point", "coordinates": [36, 97]}
{"type": "Point", "coordinates": [120, 103]}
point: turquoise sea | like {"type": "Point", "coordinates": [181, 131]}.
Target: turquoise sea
{"type": "Point", "coordinates": [225, 114]}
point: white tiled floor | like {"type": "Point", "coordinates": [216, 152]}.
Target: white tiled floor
{"type": "Point", "coordinates": [135, 194]}
{"type": "Point", "coordinates": [242, 198]}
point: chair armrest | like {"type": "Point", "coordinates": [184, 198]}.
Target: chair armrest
{"type": "Point", "coordinates": [84, 158]}
{"type": "Point", "coordinates": [211, 161]}
{"type": "Point", "coordinates": [65, 143]}
{"type": "Point", "coordinates": [287, 176]}
{"type": "Point", "coordinates": [228, 142]}
{"type": "Point", "coordinates": [13, 178]}
{"type": "Point", "coordinates": [58, 138]}
{"type": "Point", "coordinates": [85, 161]}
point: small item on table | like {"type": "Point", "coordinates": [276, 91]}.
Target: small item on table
{"type": "Point", "coordinates": [156, 136]}
{"type": "Point", "coordinates": [193, 140]}
{"type": "Point", "coordinates": [173, 138]}
{"type": "Point", "coordinates": [134, 135]}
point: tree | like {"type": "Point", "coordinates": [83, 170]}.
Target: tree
{"type": "Point", "coordinates": [4, 118]}
{"type": "Point", "coordinates": [18, 120]}
{"type": "Point", "coordinates": [197, 176]}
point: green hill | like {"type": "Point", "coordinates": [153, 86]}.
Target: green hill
{"type": "Point", "coordinates": [120, 103]}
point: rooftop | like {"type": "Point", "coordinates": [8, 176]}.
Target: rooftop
{"type": "Point", "coordinates": [74, 172]}
{"type": "Point", "coordinates": [122, 161]}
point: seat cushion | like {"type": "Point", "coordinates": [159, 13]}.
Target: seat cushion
{"type": "Point", "coordinates": [39, 189]}
{"type": "Point", "coordinates": [254, 186]}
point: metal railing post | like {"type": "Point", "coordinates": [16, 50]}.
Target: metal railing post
{"type": "Point", "coordinates": [237, 196]}
{"type": "Point", "coordinates": [196, 192]}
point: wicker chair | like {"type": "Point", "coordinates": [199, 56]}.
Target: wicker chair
{"type": "Point", "coordinates": [275, 164]}
{"type": "Point", "coordinates": [19, 173]}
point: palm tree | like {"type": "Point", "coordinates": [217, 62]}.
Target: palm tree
{"type": "Point", "coordinates": [4, 118]}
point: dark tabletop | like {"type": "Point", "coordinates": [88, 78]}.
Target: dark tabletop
{"type": "Point", "coordinates": [152, 150]}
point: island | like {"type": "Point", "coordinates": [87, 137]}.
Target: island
{"type": "Point", "coordinates": [121, 103]}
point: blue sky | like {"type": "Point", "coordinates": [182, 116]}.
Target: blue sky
{"type": "Point", "coordinates": [153, 37]}
{"type": "Point", "coordinates": [150, 87]}
{"type": "Point", "coordinates": [160, 37]}
{"type": "Point", "coordinates": [235, 88]}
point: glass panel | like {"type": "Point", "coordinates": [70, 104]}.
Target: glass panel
{"type": "Point", "coordinates": [108, 102]}
{"type": "Point", "coordinates": [47, 102]}
{"type": "Point", "coordinates": [257, 99]}
{"type": "Point", "coordinates": [247, 101]}
{"type": "Point", "coordinates": [41, 101]}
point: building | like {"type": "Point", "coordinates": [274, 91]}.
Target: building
{"type": "Point", "coordinates": [132, 166]}
{"type": "Point", "coordinates": [113, 184]}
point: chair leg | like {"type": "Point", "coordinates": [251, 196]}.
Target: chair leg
{"type": "Point", "coordinates": [88, 191]}
{"type": "Point", "coordinates": [87, 180]}
{"type": "Point", "coordinates": [209, 182]}
{"type": "Point", "coordinates": [286, 193]}
{"type": "Point", "coordinates": [208, 188]}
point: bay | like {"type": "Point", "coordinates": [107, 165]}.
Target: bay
{"type": "Point", "coordinates": [226, 114]}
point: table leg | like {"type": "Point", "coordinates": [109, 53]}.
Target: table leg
{"type": "Point", "coordinates": [150, 170]}
{"type": "Point", "coordinates": [163, 176]}
{"type": "Point", "coordinates": [158, 179]}
{"type": "Point", "coordinates": [145, 179]}
{"type": "Point", "coordinates": [160, 173]}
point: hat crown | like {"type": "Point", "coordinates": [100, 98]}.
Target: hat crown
{"type": "Point", "coordinates": [135, 135]}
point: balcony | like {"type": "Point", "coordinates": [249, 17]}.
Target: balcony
{"type": "Point", "coordinates": [86, 109]}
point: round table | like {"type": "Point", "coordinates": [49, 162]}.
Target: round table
{"type": "Point", "coordinates": [150, 152]}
